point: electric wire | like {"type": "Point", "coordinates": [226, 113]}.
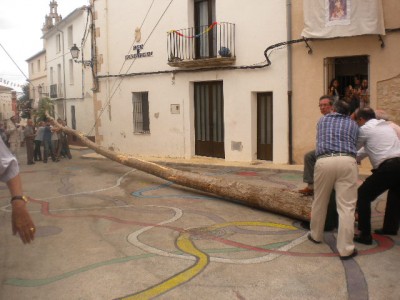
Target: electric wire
{"type": "Point", "coordinates": [27, 79]}
{"type": "Point", "coordinates": [130, 48]}
{"type": "Point", "coordinates": [122, 77]}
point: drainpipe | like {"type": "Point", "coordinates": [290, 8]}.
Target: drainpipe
{"type": "Point", "coordinates": [289, 70]}
{"type": "Point", "coordinates": [64, 85]}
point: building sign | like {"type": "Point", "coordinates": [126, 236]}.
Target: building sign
{"type": "Point", "coordinates": [139, 53]}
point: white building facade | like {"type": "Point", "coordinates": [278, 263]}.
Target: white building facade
{"type": "Point", "coordinates": [38, 86]}
{"type": "Point", "coordinates": [70, 82]}
{"type": "Point", "coordinates": [189, 78]}
{"type": "Point", "coordinates": [6, 107]}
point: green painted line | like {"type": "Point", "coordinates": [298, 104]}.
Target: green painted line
{"type": "Point", "coordinates": [40, 282]}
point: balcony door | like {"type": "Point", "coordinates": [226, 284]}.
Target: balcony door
{"type": "Point", "coordinates": [204, 16]}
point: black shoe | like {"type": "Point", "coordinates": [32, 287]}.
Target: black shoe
{"type": "Point", "coordinates": [355, 252]}
{"type": "Point", "coordinates": [381, 231]}
{"type": "Point", "coordinates": [363, 239]}
{"type": "Point", "coordinates": [311, 239]}
{"type": "Point", "coordinates": [31, 163]}
{"type": "Point", "coordinates": [45, 161]}
{"type": "Point", "coordinates": [305, 225]}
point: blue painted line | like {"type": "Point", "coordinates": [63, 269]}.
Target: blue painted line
{"type": "Point", "coordinates": [141, 193]}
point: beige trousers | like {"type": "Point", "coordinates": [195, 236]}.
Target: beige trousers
{"type": "Point", "coordinates": [339, 173]}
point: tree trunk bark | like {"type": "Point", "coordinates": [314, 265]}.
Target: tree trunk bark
{"type": "Point", "coordinates": [276, 200]}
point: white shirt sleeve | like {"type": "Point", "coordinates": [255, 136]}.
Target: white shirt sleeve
{"type": "Point", "coordinates": [8, 163]}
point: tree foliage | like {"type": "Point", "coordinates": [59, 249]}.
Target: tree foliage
{"type": "Point", "coordinates": [25, 103]}
{"type": "Point", "coordinates": [45, 105]}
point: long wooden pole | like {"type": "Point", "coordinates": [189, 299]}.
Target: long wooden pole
{"type": "Point", "coordinates": [276, 200]}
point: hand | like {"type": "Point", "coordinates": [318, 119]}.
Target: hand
{"type": "Point", "coordinates": [21, 222]}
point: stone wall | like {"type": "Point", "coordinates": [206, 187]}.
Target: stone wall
{"type": "Point", "coordinates": [388, 97]}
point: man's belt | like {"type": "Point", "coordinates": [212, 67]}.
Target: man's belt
{"type": "Point", "coordinates": [335, 154]}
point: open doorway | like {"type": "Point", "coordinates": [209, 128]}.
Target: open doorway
{"type": "Point", "coordinates": [347, 78]}
{"type": "Point", "coordinates": [346, 70]}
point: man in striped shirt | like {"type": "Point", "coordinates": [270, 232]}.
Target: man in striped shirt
{"type": "Point", "coordinates": [336, 168]}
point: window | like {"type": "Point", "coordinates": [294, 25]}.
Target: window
{"type": "Point", "coordinates": [58, 43]}
{"type": "Point", "coordinates": [51, 75]}
{"type": "Point", "coordinates": [32, 68]}
{"type": "Point", "coordinates": [71, 72]}
{"type": "Point", "coordinates": [141, 120]}
{"type": "Point", "coordinates": [38, 65]}
{"type": "Point", "coordinates": [70, 37]}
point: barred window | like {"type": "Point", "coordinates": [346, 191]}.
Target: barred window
{"type": "Point", "coordinates": [141, 120]}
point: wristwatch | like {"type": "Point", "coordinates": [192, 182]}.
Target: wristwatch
{"type": "Point", "coordinates": [24, 198]}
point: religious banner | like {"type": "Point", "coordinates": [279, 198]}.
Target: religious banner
{"type": "Point", "coordinates": [340, 18]}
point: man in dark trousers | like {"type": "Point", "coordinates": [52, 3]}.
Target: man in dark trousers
{"type": "Point", "coordinates": [382, 146]}
{"type": "Point", "coordinates": [29, 134]}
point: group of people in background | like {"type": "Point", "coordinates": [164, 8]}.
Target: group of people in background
{"type": "Point", "coordinates": [355, 94]}
{"type": "Point", "coordinates": [42, 141]}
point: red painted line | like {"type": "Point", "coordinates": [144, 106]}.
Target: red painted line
{"type": "Point", "coordinates": [383, 243]}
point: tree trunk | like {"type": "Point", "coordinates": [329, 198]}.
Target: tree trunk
{"type": "Point", "coordinates": [276, 200]}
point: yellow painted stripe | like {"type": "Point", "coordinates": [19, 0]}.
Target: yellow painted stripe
{"type": "Point", "coordinates": [252, 223]}
{"type": "Point", "coordinates": [186, 245]}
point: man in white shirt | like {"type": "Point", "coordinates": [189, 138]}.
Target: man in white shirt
{"type": "Point", "coordinates": [382, 146]}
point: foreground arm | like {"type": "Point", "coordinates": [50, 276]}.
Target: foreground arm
{"type": "Point", "coordinates": [21, 220]}
{"type": "Point", "coordinates": [9, 173]}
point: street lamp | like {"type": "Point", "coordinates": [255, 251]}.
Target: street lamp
{"type": "Point", "coordinates": [75, 55]}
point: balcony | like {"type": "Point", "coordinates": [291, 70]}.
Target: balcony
{"type": "Point", "coordinates": [205, 46]}
{"type": "Point", "coordinates": [56, 91]}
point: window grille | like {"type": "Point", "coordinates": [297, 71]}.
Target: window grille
{"type": "Point", "coordinates": [141, 120]}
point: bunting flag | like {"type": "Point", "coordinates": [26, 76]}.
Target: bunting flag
{"type": "Point", "coordinates": [340, 18]}
{"type": "Point", "coordinates": [10, 83]}
{"type": "Point", "coordinates": [194, 36]}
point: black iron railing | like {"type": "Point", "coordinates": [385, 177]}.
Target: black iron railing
{"type": "Point", "coordinates": [53, 91]}
{"type": "Point", "coordinates": [56, 91]}
{"type": "Point", "coordinates": [204, 42]}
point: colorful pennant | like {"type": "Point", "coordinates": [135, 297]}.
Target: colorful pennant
{"type": "Point", "coordinates": [194, 36]}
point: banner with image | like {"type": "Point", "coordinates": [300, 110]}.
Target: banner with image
{"type": "Point", "coordinates": [340, 18]}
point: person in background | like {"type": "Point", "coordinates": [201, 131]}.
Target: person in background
{"type": "Point", "coordinates": [29, 135]}
{"type": "Point", "coordinates": [336, 167]}
{"type": "Point", "coordinates": [38, 142]}
{"type": "Point", "coordinates": [382, 115]}
{"type": "Point", "coordinates": [55, 137]}
{"type": "Point", "coordinates": [47, 144]}
{"type": "Point", "coordinates": [364, 94]}
{"type": "Point", "coordinates": [355, 100]}
{"type": "Point", "coordinates": [63, 148]}
{"type": "Point", "coordinates": [3, 134]}
{"type": "Point", "coordinates": [382, 145]}
{"type": "Point", "coordinates": [14, 135]}
{"type": "Point", "coordinates": [325, 107]}
{"type": "Point", "coordinates": [357, 81]}
{"type": "Point", "coordinates": [334, 89]}
{"type": "Point", "coordinates": [21, 221]}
